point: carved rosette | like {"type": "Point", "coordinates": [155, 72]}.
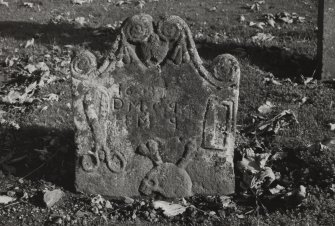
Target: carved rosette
{"type": "Point", "coordinates": [137, 29]}
{"type": "Point", "coordinates": [226, 69]}
{"type": "Point", "coordinates": [170, 28]}
{"type": "Point", "coordinates": [83, 64]}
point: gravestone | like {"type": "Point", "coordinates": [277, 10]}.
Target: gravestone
{"type": "Point", "coordinates": [326, 40]}
{"type": "Point", "coordinates": [151, 119]}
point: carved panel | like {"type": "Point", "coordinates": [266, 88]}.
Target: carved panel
{"type": "Point", "coordinates": [218, 123]}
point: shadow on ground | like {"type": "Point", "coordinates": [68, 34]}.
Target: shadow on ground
{"type": "Point", "coordinates": [39, 153]}
{"type": "Point", "coordinates": [58, 34]}
{"type": "Point", "coordinates": [279, 61]}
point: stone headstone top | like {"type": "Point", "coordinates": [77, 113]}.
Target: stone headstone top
{"type": "Point", "coordinates": [326, 40]}
{"type": "Point", "coordinates": [152, 119]}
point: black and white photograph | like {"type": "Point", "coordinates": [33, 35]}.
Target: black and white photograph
{"type": "Point", "coordinates": [167, 112]}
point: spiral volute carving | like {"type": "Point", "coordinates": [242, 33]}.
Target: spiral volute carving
{"type": "Point", "coordinates": [138, 28]}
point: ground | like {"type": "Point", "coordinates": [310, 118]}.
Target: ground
{"type": "Point", "coordinates": [37, 132]}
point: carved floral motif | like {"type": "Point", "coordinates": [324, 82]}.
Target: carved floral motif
{"type": "Point", "coordinates": [138, 28]}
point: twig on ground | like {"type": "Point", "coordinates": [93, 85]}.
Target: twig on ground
{"type": "Point", "coordinates": [39, 167]}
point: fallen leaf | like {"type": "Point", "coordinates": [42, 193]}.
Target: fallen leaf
{"type": "Point", "coordinates": [44, 108]}
{"type": "Point", "coordinates": [9, 62]}
{"type": "Point", "coordinates": [270, 78]}
{"type": "Point", "coordinates": [11, 123]}
{"type": "Point", "coordinates": [331, 126]}
{"type": "Point", "coordinates": [271, 22]}
{"type": "Point", "coordinates": [321, 146]}
{"type": "Point", "coordinates": [42, 66]}
{"type": "Point", "coordinates": [281, 120]}
{"type": "Point", "coordinates": [259, 25]}
{"type": "Point", "coordinates": [303, 80]}
{"type": "Point", "coordinates": [16, 97]}
{"type": "Point", "coordinates": [226, 202]}
{"type": "Point", "coordinates": [261, 159]}
{"type": "Point", "coordinates": [30, 43]}
{"type": "Point", "coordinates": [30, 68]}
{"type": "Point", "coordinates": [303, 100]}
{"type": "Point", "coordinates": [169, 209]}
{"type": "Point", "coordinates": [241, 19]}
{"type": "Point", "coordinates": [122, 2]}
{"type": "Point", "coordinates": [249, 165]}
{"type": "Point", "coordinates": [279, 156]}
{"type": "Point", "coordinates": [289, 18]}
{"type": "Point", "coordinates": [80, 2]}
{"type": "Point", "coordinates": [108, 205]}
{"type": "Point", "coordinates": [286, 20]}
{"type": "Point", "coordinates": [98, 200]}
{"type": "Point", "coordinates": [255, 7]}
{"type": "Point", "coordinates": [2, 2]}
{"type": "Point", "coordinates": [28, 4]}
{"type": "Point", "coordinates": [14, 124]}
{"type": "Point", "coordinates": [80, 20]}
{"type": "Point", "coordinates": [140, 4]}
{"type": "Point", "coordinates": [332, 188]}
{"type": "Point", "coordinates": [264, 178]}
{"type": "Point", "coordinates": [301, 19]}
{"type": "Point", "coordinates": [266, 108]}
{"type": "Point", "coordinates": [81, 214]}
{"type": "Point", "coordinates": [69, 46]}
{"type": "Point", "coordinates": [212, 9]}
{"type": "Point", "coordinates": [297, 196]}
{"type": "Point", "coordinates": [51, 97]}
{"type": "Point", "coordinates": [262, 37]}
{"type": "Point", "coordinates": [6, 199]}
{"type": "Point", "coordinates": [276, 190]}
{"type": "Point", "coordinates": [198, 35]}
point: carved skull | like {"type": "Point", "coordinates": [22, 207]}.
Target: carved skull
{"type": "Point", "coordinates": [167, 179]}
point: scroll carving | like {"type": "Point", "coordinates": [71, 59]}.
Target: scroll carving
{"type": "Point", "coordinates": [150, 44]}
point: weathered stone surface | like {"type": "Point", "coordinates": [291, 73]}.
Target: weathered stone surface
{"type": "Point", "coordinates": [326, 45]}
{"type": "Point", "coordinates": [152, 120]}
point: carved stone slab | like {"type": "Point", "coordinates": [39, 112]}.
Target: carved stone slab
{"type": "Point", "coordinates": [151, 119]}
{"type": "Point", "coordinates": [326, 45]}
